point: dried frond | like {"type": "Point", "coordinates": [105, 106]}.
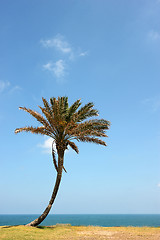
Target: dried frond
{"type": "Point", "coordinates": [91, 139]}
{"type": "Point", "coordinates": [99, 126]}
{"type": "Point", "coordinates": [64, 169]}
{"type": "Point", "coordinates": [73, 146]}
{"type": "Point", "coordinates": [88, 133]}
{"type": "Point", "coordinates": [37, 130]}
{"type": "Point", "coordinates": [54, 158]}
{"type": "Point", "coordinates": [38, 116]}
{"type": "Point", "coordinates": [49, 117]}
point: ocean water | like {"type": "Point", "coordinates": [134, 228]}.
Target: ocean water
{"type": "Point", "coordinates": [105, 220]}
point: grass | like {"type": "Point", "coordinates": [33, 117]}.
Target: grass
{"type": "Point", "coordinates": [68, 232]}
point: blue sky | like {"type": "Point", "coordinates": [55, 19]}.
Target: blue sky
{"type": "Point", "coordinates": [107, 52]}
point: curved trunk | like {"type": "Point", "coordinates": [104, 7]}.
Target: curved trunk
{"type": "Point", "coordinates": [54, 194]}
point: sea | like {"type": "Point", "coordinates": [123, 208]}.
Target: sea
{"type": "Point", "coordinates": [104, 220]}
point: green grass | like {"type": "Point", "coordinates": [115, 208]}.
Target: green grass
{"type": "Point", "coordinates": [68, 232]}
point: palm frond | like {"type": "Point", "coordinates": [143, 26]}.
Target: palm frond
{"type": "Point", "coordinates": [99, 125]}
{"type": "Point", "coordinates": [88, 133]}
{"type": "Point", "coordinates": [46, 105]}
{"type": "Point", "coordinates": [73, 146]}
{"type": "Point", "coordinates": [49, 117]}
{"type": "Point", "coordinates": [85, 112]}
{"type": "Point", "coordinates": [37, 130]}
{"type": "Point", "coordinates": [54, 158]}
{"type": "Point", "coordinates": [65, 105]}
{"type": "Point", "coordinates": [91, 139]}
{"type": "Point", "coordinates": [38, 116]}
{"type": "Point", "coordinates": [55, 108]}
{"type": "Point", "coordinates": [73, 109]}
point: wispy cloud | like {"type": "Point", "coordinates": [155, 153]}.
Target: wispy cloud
{"type": "Point", "coordinates": [68, 54]}
{"type": "Point", "coordinates": [153, 103]}
{"type": "Point", "coordinates": [7, 87]}
{"type": "Point", "coordinates": [154, 35]}
{"type": "Point", "coordinates": [4, 85]}
{"type": "Point", "coordinates": [16, 88]}
{"type": "Point", "coordinates": [158, 185]}
{"type": "Point", "coordinates": [57, 68]}
{"type": "Point", "coordinates": [59, 43]}
{"type": "Point", "coordinates": [83, 54]}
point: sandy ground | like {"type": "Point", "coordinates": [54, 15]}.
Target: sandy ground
{"type": "Point", "coordinates": [120, 234]}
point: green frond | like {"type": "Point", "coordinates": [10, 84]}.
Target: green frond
{"type": "Point", "coordinates": [85, 112]}
{"type": "Point", "coordinates": [55, 108]}
{"type": "Point", "coordinates": [46, 105]}
{"type": "Point", "coordinates": [61, 105]}
{"type": "Point", "coordinates": [65, 105]}
{"type": "Point", "coordinates": [73, 109]}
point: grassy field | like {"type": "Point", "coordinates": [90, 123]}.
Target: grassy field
{"type": "Point", "coordinates": [67, 232]}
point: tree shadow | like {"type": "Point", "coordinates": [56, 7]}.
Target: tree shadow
{"type": "Point", "coordinates": [45, 227]}
{"type": "Point", "coordinates": [10, 226]}
{"type": "Point", "coordinates": [39, 227]}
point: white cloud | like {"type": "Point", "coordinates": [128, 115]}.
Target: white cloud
{"type": "Point", "coordinates": [59, 43]}
{"type": "Point", "coordinates": [4, 85]}
{"type": "Point", "coordinates": [82, 54]}
{"type": "Point", "coordinates": [47, 146]}
{"type": "Point", "coordinates": [158, 185]}
{"type": "Point", "coordinates": [57, 68]}
{"type": "Point", "coordinates": [154, 35]}
{"type": "Point", "coordinates": [69, 54]}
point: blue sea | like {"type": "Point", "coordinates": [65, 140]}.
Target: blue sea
{"type": "Point", "coordinates": [105, 220]}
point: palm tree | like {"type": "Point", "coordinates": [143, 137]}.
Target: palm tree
{"type": "Point", "coordinates": [65, 124]}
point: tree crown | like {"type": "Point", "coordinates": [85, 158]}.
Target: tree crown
{"type": "Point", "coordinates": [66, 123]}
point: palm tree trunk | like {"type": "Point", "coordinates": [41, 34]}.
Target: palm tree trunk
{"type": "Point", "coordinates": [37, 221]}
